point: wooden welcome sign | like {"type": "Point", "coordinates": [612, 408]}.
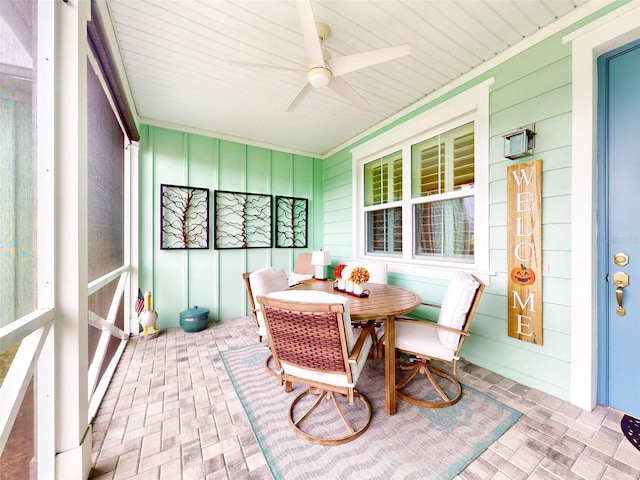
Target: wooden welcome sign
{"type": "Point", "coordinates": [524, 251]}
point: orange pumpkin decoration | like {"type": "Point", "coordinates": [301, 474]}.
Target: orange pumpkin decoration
{"type": "Point", "coordinates": [522, 275]}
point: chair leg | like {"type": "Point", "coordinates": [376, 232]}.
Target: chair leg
{"type": "Point", "coordinates": [352, 432]}
{"type": "Point", "coordinates": [424, 366]}
{"type": "Point", "coordinates": [268, 368]}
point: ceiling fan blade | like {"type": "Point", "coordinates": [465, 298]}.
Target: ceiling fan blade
{"type": "Point", "coordinates": [350, 63]}
{"type": "Point", "coordinates": [300, 96]}
{"type": "Point", "coordinates": [340, 86]}
{"type": "Point", "coordinates": [310, 32]}
{"type": "Point", "coordinates": [240, 63]}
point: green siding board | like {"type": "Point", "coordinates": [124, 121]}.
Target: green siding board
{"type": "Point", "coordinates": [336, 216]}
{"type": "Point", "coordinates": [555, 133]}
{"type": "Point", "coordinates": [556, 236]}
{"type": "Point", "coordinates": [498, 214]}
{"type": "Point", "coordinates": [552, 76]}
{"type": "Point", "coordinates": [556, 182]}
{"type": "Point", "coordinates": [557, 318]}
{"type": "Point", "coordinates": [556, 290]}
{"type": "Point", "coordinates": [498, 260]}
{"type": "Point", "coordinates": [556, 209]}
{"type": "Point", "coordinates": [498, 238]}
{"type": "Point", "coordinates": [547, 105]}
{"type": "Point", "coordinates": [537, 371]}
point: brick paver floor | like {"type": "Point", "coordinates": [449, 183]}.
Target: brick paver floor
{"type": "Point", "coordinates": [171, 413]}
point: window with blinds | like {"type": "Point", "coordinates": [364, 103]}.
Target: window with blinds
{"type": "Point", "coordinates": [442, 188]}
{"type": "Point", "coordinates": [383, 185]}
{"type": "Point", "coordinates": [442, 170]}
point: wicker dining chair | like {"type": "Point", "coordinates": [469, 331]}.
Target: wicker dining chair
{"type": "Point", "coordinates": [424, 341]}
{"type": "Point", "coordinates": [314, 344]}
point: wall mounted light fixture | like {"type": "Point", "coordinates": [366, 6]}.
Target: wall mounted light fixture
{"type": "Point", "coordinates": [520, 142]}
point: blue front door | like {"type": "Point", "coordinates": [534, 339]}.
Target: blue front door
{"type": "Point", "coordinates": [619, 229]}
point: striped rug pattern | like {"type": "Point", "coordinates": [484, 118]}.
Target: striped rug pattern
{"type": "Point", "coordinates": [415, 443]}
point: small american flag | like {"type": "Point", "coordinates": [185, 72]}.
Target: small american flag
{"type": "Point", "coordinates": [139, 302]}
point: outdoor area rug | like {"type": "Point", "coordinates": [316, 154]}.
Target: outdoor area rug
{"type": "Point", "coordinates": [417, 442]}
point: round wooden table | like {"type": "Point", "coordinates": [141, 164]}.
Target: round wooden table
{"type": "Point", "coordinates": [384, 301]}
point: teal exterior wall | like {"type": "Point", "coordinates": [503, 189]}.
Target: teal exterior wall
{"type": "Point", "coordinates": [212, 278]}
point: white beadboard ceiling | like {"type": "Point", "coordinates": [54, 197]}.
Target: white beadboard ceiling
{"type": "Point", "coordinates": [175, 60]}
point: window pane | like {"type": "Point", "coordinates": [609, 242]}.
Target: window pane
{"type": "Point", "coordinates": [17, 161]}
{"type": "Point", "coordinates": [445, 228]}
{"type": "Point", "coordinates": [383, 180]}
{"type": "Point", "coordinates": [443, 163]}
{"type": "Point", "coordinates": [428, 168]}
{"type": "Point", "coordinates": [384, 231]}
{"type": "Point", "coordinates": [463, 160]}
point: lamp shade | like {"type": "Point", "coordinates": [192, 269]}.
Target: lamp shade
{"type": "Point", "coordinates": [320, 260]}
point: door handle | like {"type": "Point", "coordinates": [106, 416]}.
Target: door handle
{"type": "Point", "coordinates": [620, 280]}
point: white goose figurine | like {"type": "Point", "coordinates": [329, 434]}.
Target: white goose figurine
{"type": "Point", "coordinates": [148, 317]}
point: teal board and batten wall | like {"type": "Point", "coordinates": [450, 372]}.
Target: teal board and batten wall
{"type": "Point", "coordinates": [212, 278]}
{"type": "Point", "coordinates": [533, 87]}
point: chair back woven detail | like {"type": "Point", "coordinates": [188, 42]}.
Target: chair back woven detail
{"type": "Point", "coordinates": [308, 340]}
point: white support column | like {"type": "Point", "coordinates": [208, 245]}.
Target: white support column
{"type": "Point", "coordinates": [131, 236]}
{"type": "Point", "coordinates": [72, 431]}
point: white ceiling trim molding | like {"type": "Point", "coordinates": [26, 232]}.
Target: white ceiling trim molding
{"type": "Point", "coordinates": [222, 136]}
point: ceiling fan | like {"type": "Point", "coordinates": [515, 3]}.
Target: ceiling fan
{"type": "Point", "coordinates": [324, 71]}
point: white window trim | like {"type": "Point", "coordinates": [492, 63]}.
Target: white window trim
{"type": "Point", "coordinates": [472, 105]}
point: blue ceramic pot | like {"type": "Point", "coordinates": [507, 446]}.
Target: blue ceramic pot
{"type": "Point", "coordinates": [194, 319]}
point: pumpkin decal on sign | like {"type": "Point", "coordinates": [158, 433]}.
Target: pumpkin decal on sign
{"type": "Point", "coordinates": [522, 275]}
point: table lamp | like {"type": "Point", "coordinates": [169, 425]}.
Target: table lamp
{"type": "Point", "coordinates": [320, 260]}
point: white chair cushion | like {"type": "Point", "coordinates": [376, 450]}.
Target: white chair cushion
{"type": "Point", "coordinates": [414, 337]}
{"type": "Point", "coordinates": [263, 282]}
{"type": "Point", "coordinates": [351, 334]}
{"type": "Point", "coordinates": [337, 379]}
{"type": "Point", "coordinates": [455, 305]}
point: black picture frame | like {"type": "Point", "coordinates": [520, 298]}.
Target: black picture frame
{"type": "Point", "coordinates": [292, 226]}
{"type": "Point", "coordinates": [184, 217]}
{"type": "Point", "coordinates": [242, 220]}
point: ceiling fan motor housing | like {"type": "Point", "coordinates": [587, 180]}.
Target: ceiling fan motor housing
{"type": "Point", "coordinates": [319, 76]}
